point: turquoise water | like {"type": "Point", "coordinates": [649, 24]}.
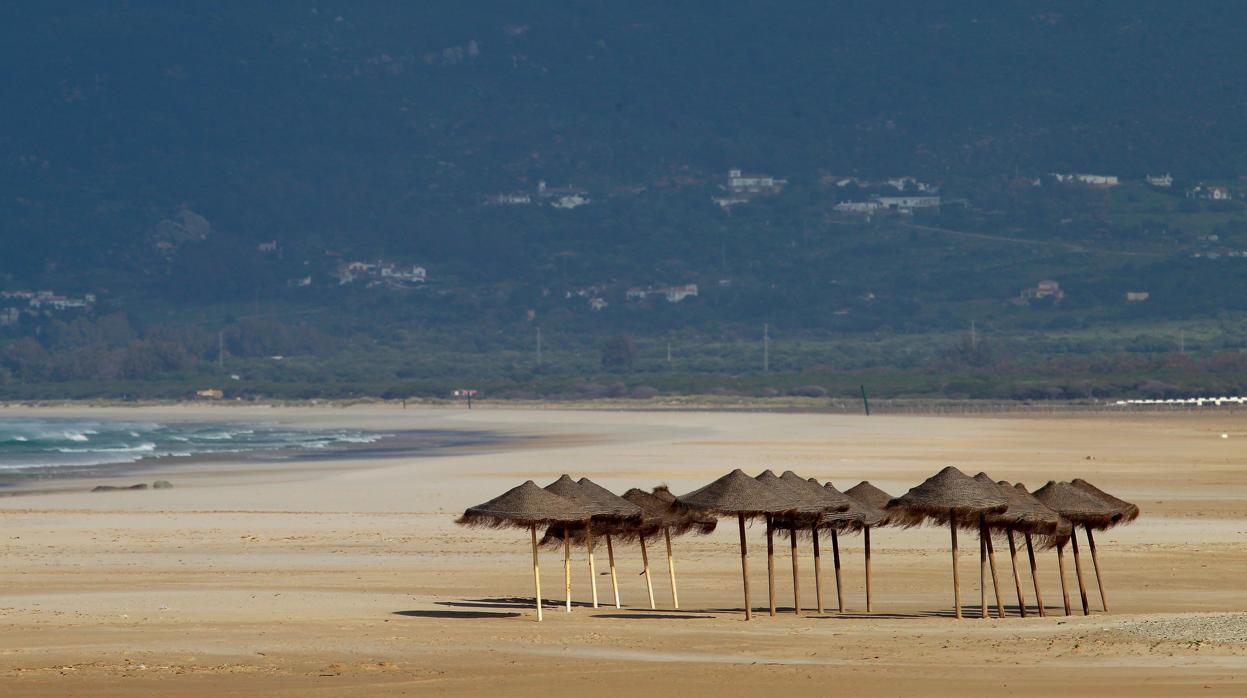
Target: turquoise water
{"type": "Point", "coordinates": [51, 445]}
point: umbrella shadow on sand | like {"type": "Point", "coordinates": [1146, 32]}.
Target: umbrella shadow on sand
{"type": "Point", "coordinates": [458, 615]}
{"type": "Point", "coordinates": [509, 602]}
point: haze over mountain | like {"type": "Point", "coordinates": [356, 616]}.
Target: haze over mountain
{"type": "Point", "coordinates": [148, 150]}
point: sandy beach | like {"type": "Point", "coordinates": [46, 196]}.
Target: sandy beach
{"type": "Point", "coordinates": [348, 576]}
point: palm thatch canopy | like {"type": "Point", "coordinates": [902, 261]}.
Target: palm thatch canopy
{"type": "Point", "coordinates": [1129, 512]}
{"type": "Point", "coordinates": [949, 495]}
{"type": "Point", "coordinates": [568, 488]}
{"type": "Point", "coordinates": [524, 506]}
{"type": "Point", "coordinates": [658, 513]}
{"type": "Point", "coordinates": [1080, 508]}
{"type": "Point", "coordinates": [1025, 513]}
{"type": "Point", "coordinates": [867, 493]}
{"type": "Point", "coordinates": [874, 499]}
{"type": "Point", "coordinates": [833, 501]}
{"type": "Point", "coordinates": [619, 506]}
{"type": "Point", "coordinates": [736, 493]}
{"type": "Point", "coordinates": [804, 507]}
{"type": "Point", "coordinates": [612, 514]}
{"type": "Point", "coordinates": [840, 512]}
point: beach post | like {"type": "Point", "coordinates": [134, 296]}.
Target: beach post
{"type": "Point", "coordinates": [835, 562]}
{"type": "Point", "coordinates": [982, 570]}
{"type": "Point", "coordinates": [1017, 581]}
{"type": "Point", "coordinates": [952, 526]}
{"type": "Point", "coordinates": [770, 561]}
{"type": "Point", "coordinates": [818, 569]}
{"type": "Point", "coordinates": [1082, 588]}
{"type": "Point", "coordinates": [567, 568]}
{"type": "Point", "coordinates": [796, 574]}
{"type": "Point", "coordinates": [991, 560]}
{"type": "Point", "coordinates": [649, 584]}
{"type": "Point", "coordinates": [536, 570]}
{"type": "Point", "coordinates": [593, 570]}
{"type": "Point", "coordinates": [866, 540]}
{"type": "Point", "coordinates": [675, 594]}
{"type": "Point", "coordinates": [1060, 563]}
{"type": "Point", "coordinates": [1095, 561]}
{"type": "Point", "coordinates": [610, 555]}
{"type": "Point", "coordinates": [1030, 552]}
{"type": "Point", "coordinates": [744, 565]}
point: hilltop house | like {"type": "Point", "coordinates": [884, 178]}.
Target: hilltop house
{"type": "Point", "coordinates": [742, 187]}
{"type": "Point", "coordinates": [1165, 180]}
{"type": "Point", "coordinates": [1137, 296]}
{"type": "Point", "coordinates": [907, 203]}
{"type": "Point", "coordinates": [1210, 193]}
{"type": "Point", "coordinates": [562, 197]}
{"type": "Point", "coordinates": [1044, 289]}
{"type": "Point", "coordinates": [513, 199]}
{"type": "Point", "coordinates": [673, 294]}
{"type": "Point", "coordinates": [1093, 180]}
{"type": "Point", "coordinates": [856, 206]}
{"type": "Point", "coordinates": [381, 273]}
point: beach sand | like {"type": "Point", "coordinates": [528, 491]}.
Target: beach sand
{"type": "Point", "coordinates": [348, 577]}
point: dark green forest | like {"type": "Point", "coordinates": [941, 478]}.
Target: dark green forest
{"type": "Point", "coordinates": [206, 172]}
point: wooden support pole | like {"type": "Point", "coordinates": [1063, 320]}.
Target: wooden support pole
{"type": "Point", "coordinates": [1030, 552]}
{"type": "Point", "coordinates": [649, 584]}
{"type": "Point", "coordinates": [952, 526]}
{"type": "Point", "coordinates": [744, 565]}
{"type": "Point", "coordinates": [610, 555]}
{"type": "Point", "coordinates": [567, 568]}
{"type": "Point", "coordinates": [835, 562]}
{"type": "Point", "coordinates": [1095, 561]}
{"type": "Point", "coordinates": [675, 594]}
{"type": "Point", "coordinates": [536, 571]}
{"type": "Point", "coordinates": [593, 570]}
{"type": "Point", "coordinates": [1060, 563]}
{"type": "Point", "coordinates": [866, 538]}
{"type": "Point", "coordinates": [818, 569]}
{"type": "Point", "coordinates": [1017, 581]}
{"type": "Point", "coordinates": [796, 573]}
{"type": "Point", "coordinates": [982, 571]}
{"type": "Point", "coordinates": [991, 560]}
{"type": "Point", "coordinates": [1082, 588]}
{"type": "Point", "coordinates": [770, 561]}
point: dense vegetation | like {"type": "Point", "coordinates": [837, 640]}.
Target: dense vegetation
{"type": "Point", "coordinates": [147, 149]}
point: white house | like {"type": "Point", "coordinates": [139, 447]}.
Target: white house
{"type": "Point", "coordinates": [907, 203]}
{"type": "Point", "coordinates": [741, 183]}
{"type": "Point", "coordinates": [857, 206]}
{"type": "Point", "coordinates": [1093, 180]}
{"type": "Point", "coordinates": [1165, 180]}
{"type": "Point", "coordinates": [514, 199]}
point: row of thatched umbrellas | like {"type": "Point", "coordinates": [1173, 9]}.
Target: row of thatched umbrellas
{"type": "Point", "coordinates": [582, 511]}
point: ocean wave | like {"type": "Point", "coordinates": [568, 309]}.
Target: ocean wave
{"type": "Point", "coordinates": [141, 448]}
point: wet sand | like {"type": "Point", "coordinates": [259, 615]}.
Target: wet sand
{"type": "Point", "coordinates": [349, 577]}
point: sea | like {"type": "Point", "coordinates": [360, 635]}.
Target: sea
{"type": "Point", "coordinates": [51, 447]}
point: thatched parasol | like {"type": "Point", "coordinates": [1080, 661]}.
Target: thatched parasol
{"type": "Point", "coordinates": [806, 509]}
{"type": "Point", "coordinates": [951, 497]}
{"type": "Point", "coordinates": [604, 513]}
{"type": "Point", "coordinates": [1028, 516]}
{"type": "Point", "coordinates": [874, 502]}
{"type": "Point", "coordinates": [986, 541]}
{"type": "Point", "coordinates": [624, 517]}
{"type": "Point", "coordinates": [1129, 512]}
{"type": "Point", "coordinates": [527, 506]}
{"type": "Point", "coordinates": [737, 494]}
{"type": "Point", "coordinates": [836, 507]}
{"type": "Point", "coordinates": [661, 514]}
{"type": "Point", "coordinates": [692, 521]}
{"type": "Point", "coordinates": [1080, 509]}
